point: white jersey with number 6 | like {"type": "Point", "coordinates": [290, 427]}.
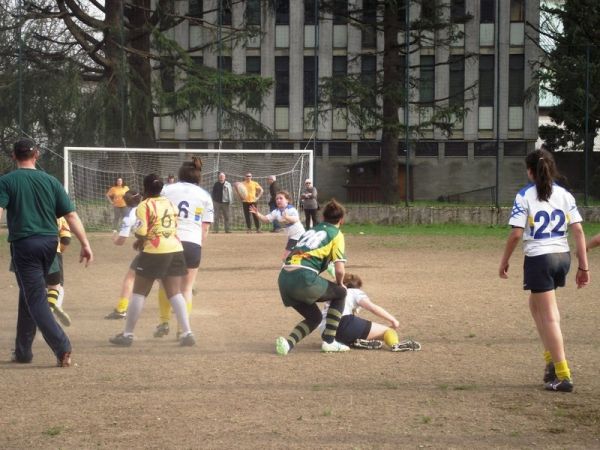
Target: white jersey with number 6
{"type": "Point", "coordinates": [545, 224]}
{"type": "Point", "coordinates": [194, 206]}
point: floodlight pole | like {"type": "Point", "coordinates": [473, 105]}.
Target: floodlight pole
{"type": "Point", "coordinates": [406, 102]}
{"type": "Point", "coordinates": [497, 105]}
{"type": "Point", "coordinates": [586, 142]}
{"type": "Point", "coordinates": [219, 68]}
{"type": "Point", "coordinates": [20, 66]}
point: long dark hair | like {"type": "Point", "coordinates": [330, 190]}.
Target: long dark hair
{"type": "Point", "coordinates": [152, 185]}
{"type": "Point", "coordinates": [191, 171]}
{"type": "Point", "coordinates": [543, 168]}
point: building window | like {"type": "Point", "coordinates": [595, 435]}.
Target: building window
{"type": "Point", "coordinates": [253, 65]}
{"type": "Point", "coordinates": [486, 80]}
{"type": "Point", "coordinates": [195, 8]}
{"type": "Point", "coordinates": [309, 81]}
{"type": "Point", "coordinates": [167, 77]}
{"type": "Point", "coordinates": [224, 63]}
{"type": "Point", "coordinates": [515, 148]}
{"type": "Point", "coordinates": [516, 80]}
{"type": "Point", "coordinates": [372, 149]}
{"type": "Point", "coordinates": [487, 11]}
{"type": "Point", "coordinates": [369, 30]}
{"type": "Point", "coordinates": [456, 149]}
{"type": "Point", "coordinates": [456, 80]}
{"type": "Point", "coordinates": [427, 80]}
{"type": "Point", "coordinates": [426, 149]}
{"type": "Point", "coordinates": [340, 12]}
{"type": "Point", "coordinates": [485, 148]}
{"type": "Point", "coordinates": [340, 70]}
{"type": "Point", "coordinates": [340, 149]}
{"type": "Point", "coordinates": [282, 12]}
{"type": "Point", "coordinates": [225, 12]}
{"type": "Point", "coordinates": [517, 10]}
{"type": "Point", "coordinates": [309, 12]}
{"type": "Point", "coordinates": [282, 81]}
{"type": "Point", "coordinates": [457, 10]}
{"type": "Point", "coordinates": [252, 12]}
{"type": "Point", "coordinates": [428, 11]}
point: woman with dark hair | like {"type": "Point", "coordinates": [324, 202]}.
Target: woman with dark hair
{"type": "Point", "coordinates": [541, 214]}
{"type": "Point", "coordinates": [115, 197]}
{"type": "Point", "coordinates": [161, 258]}
{"type": "Point", "coordinates": [194, 216]}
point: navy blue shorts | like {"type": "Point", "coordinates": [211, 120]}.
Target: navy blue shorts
{"type": "Point", "coordinates": [352, 328]}
{"type": "Point", "coordinates": [545, 272]}
{"type": "Point", "coordinates": [192, 254]}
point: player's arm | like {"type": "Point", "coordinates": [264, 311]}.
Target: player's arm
{"type": "Point", "coordinates": [78, 230]}
{"type": "Point", "coordinates": [366, 303]}
{"type": "Point", "coordinates": [340, 271]}
{"type": "Point", "coordinates": [290, 218]}
{"type": "Point", "coordinates": [593, 242]}
{"type": "Point", "coordinates": [582, 277]}
{"type": "Point", "coordinates": [514, 238]}
{"type": "Point", "coordinates": [205, 230]}
{"type": "Point", "coordinates": [261, 217]}
{"type": "Point", "coordinates": [64, 242]}
{"type": "Point", "coordinates": [259, 191]}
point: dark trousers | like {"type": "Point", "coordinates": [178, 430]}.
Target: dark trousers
{"type": "Point", "coordinates": [311, 217]}
{"type": "Point", "coordinates": [32, 258]}
{"type": "Point", "coordinates": [273, 206]}
{"type": "Point", "coordinates": [247, 214]}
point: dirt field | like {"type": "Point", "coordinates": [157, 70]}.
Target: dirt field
{"type": "Point", "coordinates": [475, 384]}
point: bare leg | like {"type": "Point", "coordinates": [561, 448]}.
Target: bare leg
{"type": "Point", "coordinates": [546, 316]}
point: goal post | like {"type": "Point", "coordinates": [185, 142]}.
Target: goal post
{"type": "Point", "coordinates": [89, 172]}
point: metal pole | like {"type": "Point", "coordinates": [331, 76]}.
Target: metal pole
{"type": "Point", "coordinates": [586, 141]}
{"type": "Point", "coordinates": [219, 69]}
{"type": "Point", "coordinates": [406, 102]}
{"type": "Point", "coordinates": [316, 100]}
{"type": "Point", "coordinates": [20, 67]}
{"type": "Point", "coordinates": [497, 104]}
{"type": "Point", "coordinates": [122, 72]}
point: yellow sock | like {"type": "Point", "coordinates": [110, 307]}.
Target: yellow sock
{"type": "Point", "coordinates": [188, 305]}
{"type": "Point", "coordinates": [53, 297]}
{"type": "Point", "coordinates": [562, 370]}
{"type": "Point", "coordinates": [390, 337]}
{"type": "Point", "coordinates": [164, 306]}
{"type": "Point", "coordinates": [122, 305]}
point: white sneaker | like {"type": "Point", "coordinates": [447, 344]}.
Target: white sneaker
{"type": "Point", "coordinates": [334, 347]}
{"type": "Point", "coordinates": [282, 346]}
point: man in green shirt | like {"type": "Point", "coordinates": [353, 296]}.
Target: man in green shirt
{"type": "Point", "coordinates": [33, 200]}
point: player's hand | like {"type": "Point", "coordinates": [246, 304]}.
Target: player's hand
{"type": "Point", "coordinates": [582, 278]}
{"type": "Point", "coordinates": [253, 209]}
{"type": "Point", "coordinates": [395, 324]}
{"type": "Point", "coordinates": [86, 255]}
{"type": "Point", "coordinates": [138, 245]}
{"type": "Point", "coordinates": [503, 271]}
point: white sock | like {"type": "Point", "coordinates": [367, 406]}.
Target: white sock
{"type": "Point", "coordinates": [134, 310]}
{"type": "Point", "coordinates": [178, 305]}
{"type": "Point", "coordinates": [61, 296]}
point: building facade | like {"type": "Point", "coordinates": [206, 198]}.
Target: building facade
{"type": "Point", "coordinates": [499, 127]}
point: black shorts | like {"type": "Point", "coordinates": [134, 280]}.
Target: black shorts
{"type": "Point", "coordinates": [290, 244]}
{"type": "Point", "coordinates": [157, 266]}
{"type": "Point", "coordinates": [192, 254]}
{"type": "Point", "coordinates": [545, 272]}
{"type": "Point", "coordinates": [352, 328]}
{"type": "Point", "coordinates": [57, 274]}
{"type": "Point", "coordinates": [135, 262]}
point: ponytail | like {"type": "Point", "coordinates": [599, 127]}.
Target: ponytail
{"type": "Point", "coordinates": [543, 169]}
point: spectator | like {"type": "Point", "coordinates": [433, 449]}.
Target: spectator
{"type": "Point", "coordinates": [115, 197]}
{"type": "Point", "coordinates": [252, 192]}
{"type": "Point", "coordinates": [222, 196]}
{"type": "Point", "coordinates": [310, 204]}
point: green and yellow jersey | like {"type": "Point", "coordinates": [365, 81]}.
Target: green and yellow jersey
{"type": "Point", "coordinates": [317, 247]}
{"type": "Point", "coordinates": [156, 224]}
{"type": "Point", "coordinates": [64, 233]}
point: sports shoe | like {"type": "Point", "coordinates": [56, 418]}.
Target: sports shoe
{"type": "Point", "coordinates": [64, 360]}
{"type": "Point", "coordinates": [549, 373]}
{"type": "Point", "coordinates": [334, 347]}
{"type": "Point", "coordinates": [121, 340]}
{"type": "Point", "coordinates": [188, 340]}
{"type": "Point", "coordinates": [367, 344]}
{"type": "Point", "coordinates": [282, 346]}
{"type": "Point", "coordinates": [15, 359]}
{"type": "Point", "coordinates": [162, 330]}
{"type": "Point", "coordinates": [406, 346]}
{"type": "Point", "coordinates": [61, 315]}
{"type": "Point", "coordinates": [565, 385]}
{"type": "Point", "coordinates": [114, 315]}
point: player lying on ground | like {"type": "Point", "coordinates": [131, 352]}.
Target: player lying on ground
{"type": "Point", "coordinates": [361, 333]}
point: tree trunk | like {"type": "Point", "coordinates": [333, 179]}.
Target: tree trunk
{"type": "Point", "coordinates": [391, 75]}
{"type": "Point", "coordinates": [141, 118]}
{"type": "Point", "coordinates": [113, 74]}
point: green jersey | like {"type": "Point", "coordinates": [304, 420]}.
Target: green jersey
{"type": "Point", "coordinates": [317, 247]}
{"type": "Point", "coordinates": [33, 200]}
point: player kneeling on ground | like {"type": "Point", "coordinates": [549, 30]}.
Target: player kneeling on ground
{"type": "Point", "coordinates": [361, 333]}
{"type": "Point", "coordinates": [161, 258]}
{"type": "Point", "coordinates": [301, 287]}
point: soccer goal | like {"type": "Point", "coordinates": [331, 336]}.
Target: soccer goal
{"type": "Point", "coordinates": [90, 171]}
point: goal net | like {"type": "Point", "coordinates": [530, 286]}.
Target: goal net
{"type": "Point", "coordinates": [89, 172]}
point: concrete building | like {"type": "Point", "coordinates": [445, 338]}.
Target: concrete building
{"type": "Point", "coordinates": [499, 116]}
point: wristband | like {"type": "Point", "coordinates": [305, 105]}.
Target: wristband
{"type": "Point", "coordinates": [583, 270]}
